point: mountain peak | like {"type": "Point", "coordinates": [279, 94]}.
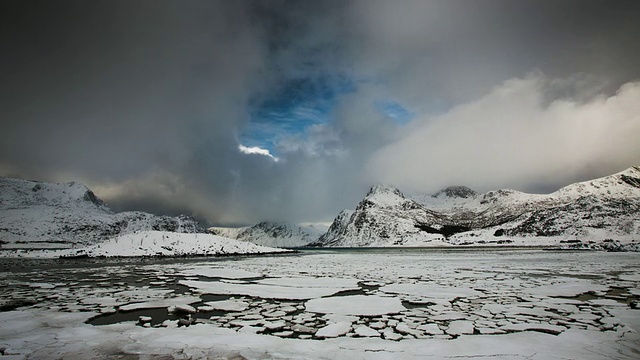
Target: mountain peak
{"type": "Point", "coordinates": [384, 190]}
{"type": "Point", "coordinates": [456, 192]}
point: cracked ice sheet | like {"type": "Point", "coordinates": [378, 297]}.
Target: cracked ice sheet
{"type": "Point", "coordinates": [262, 290]}
{"type": "Point", "coordinates": [43, 334]}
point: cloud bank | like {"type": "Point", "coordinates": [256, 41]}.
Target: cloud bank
{"type": "Point", "coordinates": [512, 138]}
{"type": "Point", "coordinates": [182, 107]}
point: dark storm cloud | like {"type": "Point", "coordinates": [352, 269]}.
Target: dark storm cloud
{"type": "Point", "coordinates": [113, 88]}
{"type": "Point", "coordinates": [147, 102]}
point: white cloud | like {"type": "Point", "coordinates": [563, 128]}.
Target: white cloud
{"type": "Point", "coordinates": [512, 137]}
{"type": "Point", "coordinates": [255, 150]}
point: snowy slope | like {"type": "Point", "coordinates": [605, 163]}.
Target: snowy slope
{"type": "Point", "coordinates": [605, 208]}
{"type": "Point", "coordinates": [58, 215]}
{"type": "Point", "coordinates": [273, 234]}
{"type": "Point", "coordinates": [156, 243]}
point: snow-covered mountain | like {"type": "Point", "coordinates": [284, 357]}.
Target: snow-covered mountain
{"type": "Point", "coordinates": [36, 214]}
{"type": "Point", "coordinates": [596, 210]}
{"type": "Point", "coordinates": [273, 234]}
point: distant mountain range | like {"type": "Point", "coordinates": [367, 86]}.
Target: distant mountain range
{"type": "Point", "coordinates": [273, 234]}
{"type": "Point", "coordinates": [602, 213]}
{"type": "Point", "coordinates": [591, 212]}
{"type": "Point", "coordinates": [36, 214]}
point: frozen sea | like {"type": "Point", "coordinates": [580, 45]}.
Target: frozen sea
{"type": "Point", "coordinates": [326, 304]}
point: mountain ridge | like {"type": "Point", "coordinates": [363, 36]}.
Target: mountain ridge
{"type": "Point", "coordinates": [37, 214]}
{"type": "Point", "coordinates": [593, 210]}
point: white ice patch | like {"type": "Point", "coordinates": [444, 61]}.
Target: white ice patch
{"type": "Point", "coordinates": [334, 330]}
{"type": "Point", "coordinates": [432, 291]}
{"type": "Point", "coordinates": [366, 331]}
{"type": "Point", "coordinates": [460, 327]}
{"type": "Point", "coordinates": [228, 305]}
{"type": "Point", "coordinates": [260, 290]}
{"type": "Point", "coordinates": [162, 243]}
{"type": "Point", "coordinates": [355, 305]}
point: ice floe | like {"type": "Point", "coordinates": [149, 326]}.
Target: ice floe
{"type": "Point", "coordinates": [355, 305]}
{"type": "Point", "coordinates": [228, 305]}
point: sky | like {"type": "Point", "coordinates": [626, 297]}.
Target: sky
{"type": "Point", "coordinates": [243, 111]}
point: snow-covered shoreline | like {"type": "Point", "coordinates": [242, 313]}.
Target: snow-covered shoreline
{"type": "Point", "coordinates": [154, 244]}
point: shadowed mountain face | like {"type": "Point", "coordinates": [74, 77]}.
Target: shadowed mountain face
{"type": "Point", "coordinates": [456, 192]}
{"type": "Point", "coordinates": [605, 208]}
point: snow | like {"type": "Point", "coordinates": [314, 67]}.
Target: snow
{"type": "Point", "coordinates": [228, 305]}
{"type": "Point", "coordinates": [431, 329]}
{"type": "Point", "coordinates": [385, 196]}
{"type": "Point", "coordinates": [158, 243]}
{"type": "Point", "coordinates": [366, 331]}
{"type": "Point", "coordinates": [460, 327]}
{"type": "Point", "coordinates": [40, 215]}
{"type": "Point", "coordinates": [334, 330]}
{"type": "Point", "coordinates": [590, 211]}
{"type": "Point", "coordinates": [355, 305]}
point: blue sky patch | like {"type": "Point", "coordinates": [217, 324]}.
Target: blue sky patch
{"type": "Point", "coordinates": [396, 112]}
{"type": "Point", "coordinates": [291, 109]}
